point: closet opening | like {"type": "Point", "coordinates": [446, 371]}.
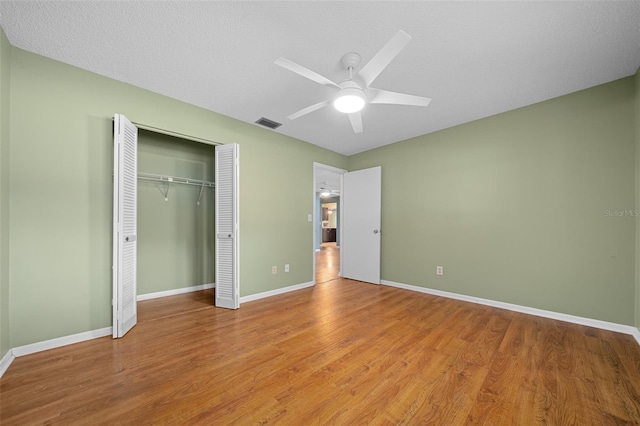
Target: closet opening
{"type": "Point", "coordinates": [175, 216]}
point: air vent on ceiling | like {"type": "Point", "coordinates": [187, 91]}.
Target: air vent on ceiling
{"type": "Point", "coordinates": [268, 123]}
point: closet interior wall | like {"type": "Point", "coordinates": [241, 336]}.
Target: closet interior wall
{"type": "Point", "coordinates": [176, 241]}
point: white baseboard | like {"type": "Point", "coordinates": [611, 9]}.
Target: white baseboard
{"type": "Point", "coordinates": [611, 326]}
{"type": "Point", "coordinates": [6, 361]}
{"type": "Point", "coordinates": [61, 341]}
{"type": "Point", "coordinates": [636, 334]}
{"type": "Point", "coordinates": [275, 292]}
{"type": "Point", "coordinates": [174, 292]}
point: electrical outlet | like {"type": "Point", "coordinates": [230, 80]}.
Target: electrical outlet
{"type": "Point", "coordinates": [274, 270]}
{"type": "Point", "coordinates": [439, 270]}
{"type": "Point", "coordinates": [286, 267]}
{"type": "Point", "coordinates": [309, 218]}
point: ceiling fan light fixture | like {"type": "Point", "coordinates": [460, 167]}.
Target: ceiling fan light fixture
{"type": "Point", "coordinates": [350, 100]}
{"type": "Point", "coordinates": [356, 92]}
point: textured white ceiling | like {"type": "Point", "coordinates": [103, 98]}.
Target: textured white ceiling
{"type": "Point", "coordinates": [474, 59]}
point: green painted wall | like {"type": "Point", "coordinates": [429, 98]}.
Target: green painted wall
{"type": "Point", "coordinates": [5, 57]}
{"type": "Point", "coordinates": [61, 194]}
{"type": "Point", "coordinates": [637, 130]}
{"type": "Point", "coordinates": [514, 206]}
{"type": "Point", "coordinates": [176, 243]}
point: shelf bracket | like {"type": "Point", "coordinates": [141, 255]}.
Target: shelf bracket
{"type": "Point", "coordinates": [165, 191]}
{"type": "Point", "coordinates": [200, 194]}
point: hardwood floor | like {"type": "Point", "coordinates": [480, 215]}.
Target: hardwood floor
{"type": "Point", "coordinates": [340, 353]}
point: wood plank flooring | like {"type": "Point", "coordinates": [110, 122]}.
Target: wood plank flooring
{"type": "Point", "coordinates": [339, 353]}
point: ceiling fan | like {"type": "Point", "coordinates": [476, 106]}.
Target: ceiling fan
{"type": "Point", "coordinates": [355, 92]}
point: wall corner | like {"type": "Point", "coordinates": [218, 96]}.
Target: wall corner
{"type": "Point", "coordinates": [636, 117]}
{"type": "Point", "coordinates": [5, 85]}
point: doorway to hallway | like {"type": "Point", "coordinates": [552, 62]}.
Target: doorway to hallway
{"type": "Point", "coordinates": [327, 187]}
{"type": "Point", "coordinates": [327, 262]}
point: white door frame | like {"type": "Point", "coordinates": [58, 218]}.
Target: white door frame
{"type": "Point", "coordinates": [315, 217]}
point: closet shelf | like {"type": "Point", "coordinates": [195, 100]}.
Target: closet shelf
{"type": "Point", "coordinates": [175, 179]}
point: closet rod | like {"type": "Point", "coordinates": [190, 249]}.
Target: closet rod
{"type": "Point", "coordinates": [175, 179]}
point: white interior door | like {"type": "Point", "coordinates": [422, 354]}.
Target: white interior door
{"type": "Point", "coordinates": [125, 187]}
{"type": "Point", "coordinates": [227, 171]}
{"type": "Point", "coordinates": [361, 212]}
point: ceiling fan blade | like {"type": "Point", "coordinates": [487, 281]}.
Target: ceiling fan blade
{"type": "Point", "coordinates": [379, 62]}
{"type": "Point", "coordinates": [305, 72]}
{"type": "Point", "coordinates": [377, 96]}
{"type": "Point", "coordinates": [356, 121]}
{"type": "Point", "coordinates": [307, 110]}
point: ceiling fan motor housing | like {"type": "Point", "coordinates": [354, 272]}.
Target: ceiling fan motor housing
{"type": "Point", "coordinates": [351, 98]}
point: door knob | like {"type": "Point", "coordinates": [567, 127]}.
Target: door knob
{"type": "Point", "coordinates": [375, 231]}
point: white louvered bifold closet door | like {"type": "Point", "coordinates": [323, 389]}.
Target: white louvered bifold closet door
{"type": "Point", "coordinates": [125, 186]}
{"type": "Point", "coordinates": [227, 232]}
